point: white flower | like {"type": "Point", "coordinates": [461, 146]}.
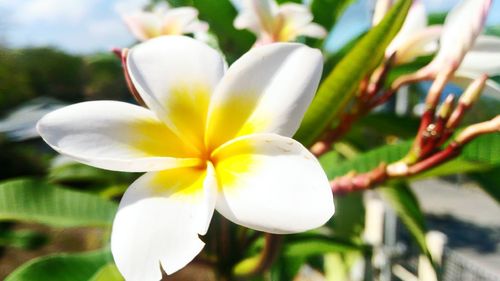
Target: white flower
{"type": "Point", "coordinates": [458, 43]}
{"type": "Point", "coordinates": [163, 20]}
{"type": "Point", "coordinates": [461, 28]}
{"type": "Point", "coordinates": [213, 139]}
{"type": "Point", "coordinates": [273, 23]}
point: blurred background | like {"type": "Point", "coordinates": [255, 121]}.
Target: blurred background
{"type": "Point", "coordinates": [58, 52]}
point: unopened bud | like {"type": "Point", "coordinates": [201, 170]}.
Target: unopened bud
{"type": "Point", "coordinates": [446, 107]}
{"type": "Point", "coordinates": [472, 93]}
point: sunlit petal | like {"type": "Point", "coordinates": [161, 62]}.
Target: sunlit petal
{"type": "Point", "coordinates": [312, 30]}
{"type": "Point", "coordinates": [484, 57]}
{"type": "Point", "coordinates": [415, 22]}
{"type": "Point", "coordinates": [114, 135]}
{"type": "Point", "coordinates": [266, 90]}
{"type": "Point", "coordinates": [463, 24]}
{"type": "Point", "coordinates": [297, 21]}
{"type": "Point", "coordinates": [176, 76]}
{"type": "Point", "coordinates": [423, 42]}
{"type": "Point", "coordinates": [143, 25]}
{"type": "Point", "coordinates": [272, 183]}
{"type": "Point", "coordinates": [159, 220]}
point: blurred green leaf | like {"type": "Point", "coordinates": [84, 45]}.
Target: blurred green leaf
{"type": "Point", "coordinates": [220, 17]}
{"type": "Point", "coordinates": [305, 245]}
{"type": "Point", "coordinates": [333, 59]}
{"type": "Point", "coordinates": [493, 30]}
{"type": "Point", "coordinates": [286, 268]}
{"type": "Point", "coordinates": [481, 153]}
{"type": "Point", "coordinates": [327, 12]}
{"type": "Point", "coordinates": [436, 18]}
{"type": "Point", "coordinates": [407, 207]}
{"type": "Point", "coordinates": [284, 1]}
{"type": "Point", "coordinates": [408, 68]}
{"type": "Point", "coordinates": [108, 272]}
{"type": "Point", "coordinates": [178, 3]}
{"type": "Point", "coordinates": [62, 267]}
{"type": "Point", "coordinates": [23, 239]}
{"type": "Point", "coordinates": [41, 202]}
{"type": "Point", "coordinates": [342, 83]}
{"type": "Point", "coordinates": [80, 173]}
{"type": "Point", "coordinates": [489, 181]}
{"type": "Point", "coordinates": [484, 149]}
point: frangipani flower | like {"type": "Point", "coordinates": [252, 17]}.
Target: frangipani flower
{"type": "Point", "coordinates": [273, 23]}
{"type": "Point", "coordinates": [415, 38]}
{"type": "Point", "coordinates": [460, 47]}
{"type": "Point", "coordinates": [163, 20]}
{"type": "Point", "coordinates": [212, 139]}
{"type": "Point", "coordinates": [461, 28]}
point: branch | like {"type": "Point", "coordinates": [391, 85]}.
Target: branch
{"type": "Point", "coordinates": [401, 169]}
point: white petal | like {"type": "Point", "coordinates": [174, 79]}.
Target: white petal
{"type": "Point", "coordinates": [295, 14]}
{"type": "Point", "coordinates": [114, 135]}
{"type": "Point", "coordinates": [261, 11]}
{"type": "Point", "coordinates": [484, 57]}
{"type": "Point", "coordinates": [176, 76]}
{"type": "Point", "coordinates": [312, 30]}
{"type": "Point", "coordinates": [143, 25]}
{"type": "Point", "coordinates": [415, 21]}
{"type": "Point", "coordinates": [381, 8]}
{"type": "Point", "coordinates": [272, 183]}
{"type": "Point", "coordinates": [421, 43]}
{"type": "Point", "coordinates": [158, 221]}
{"type": "Point", "coordinates": [182, 20]}
{"type": "Point", "coordinates": [266, 90]}
{"type": "Point", "coordinates": [462, 25]}
{"type": "Point", "coordinates": [247, 20]}
{"type": "Point", "coordinates": [297, 21]}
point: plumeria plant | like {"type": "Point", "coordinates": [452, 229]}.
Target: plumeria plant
{"type": "Point", "coordinates": [248, 159]}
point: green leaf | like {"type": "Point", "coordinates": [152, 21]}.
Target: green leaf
{"type": "Point", "coordinates": [493, 30]}
{"type": "Point", "coordinates": [41, 202]}
{"type": "Point", "coordinates": [327, 12]}
{"type": "Point", "coordinates": [436, 18]}
{"type": "Point", "coordinates": [220, 17]}
{"type": "Point", "coordinates": [178, 3]}
{"type": "Point", "coordinates": [480, 154]}
{"type": "Point", "coordinates": [306, 245]}
{"type": "Point", "coordinates": [80, 173]}
{"type": "Point", "coordinates": [342, 83]}
{"type": "Point", "coordinates": [62, 267]}
{"type": "Point", "coordinates": [406, 205]}
{"type": "Point", "coordinates": [489, 181]}
{"type": "Point", "coordinates": [22, 239]}
{"type": "Point", "coordinates": [484, 149]}
{"type": "Point", "coordinates": [108, 272]}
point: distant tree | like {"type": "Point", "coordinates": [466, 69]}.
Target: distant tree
{"type": "Point", "coordinates": [14, 81]}
{"type": "Point", "coordinates": [54, 73]}
{"type": "Point", "coordinates": [104, 78]}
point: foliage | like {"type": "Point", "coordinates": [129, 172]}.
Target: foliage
{"type": "Point", "coordinates": [341, 84]}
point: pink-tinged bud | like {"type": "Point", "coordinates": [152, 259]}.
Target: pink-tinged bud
{"type": "Point", "coordinates": [461, 28]}
{"type": "Point", "coordinates": [472, 93]}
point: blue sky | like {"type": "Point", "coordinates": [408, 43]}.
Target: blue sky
{"type": "Point", "coordinates": [85, 26]}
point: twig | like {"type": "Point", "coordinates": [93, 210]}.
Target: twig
{"type": "Point", "coordinates": [433, 132]}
